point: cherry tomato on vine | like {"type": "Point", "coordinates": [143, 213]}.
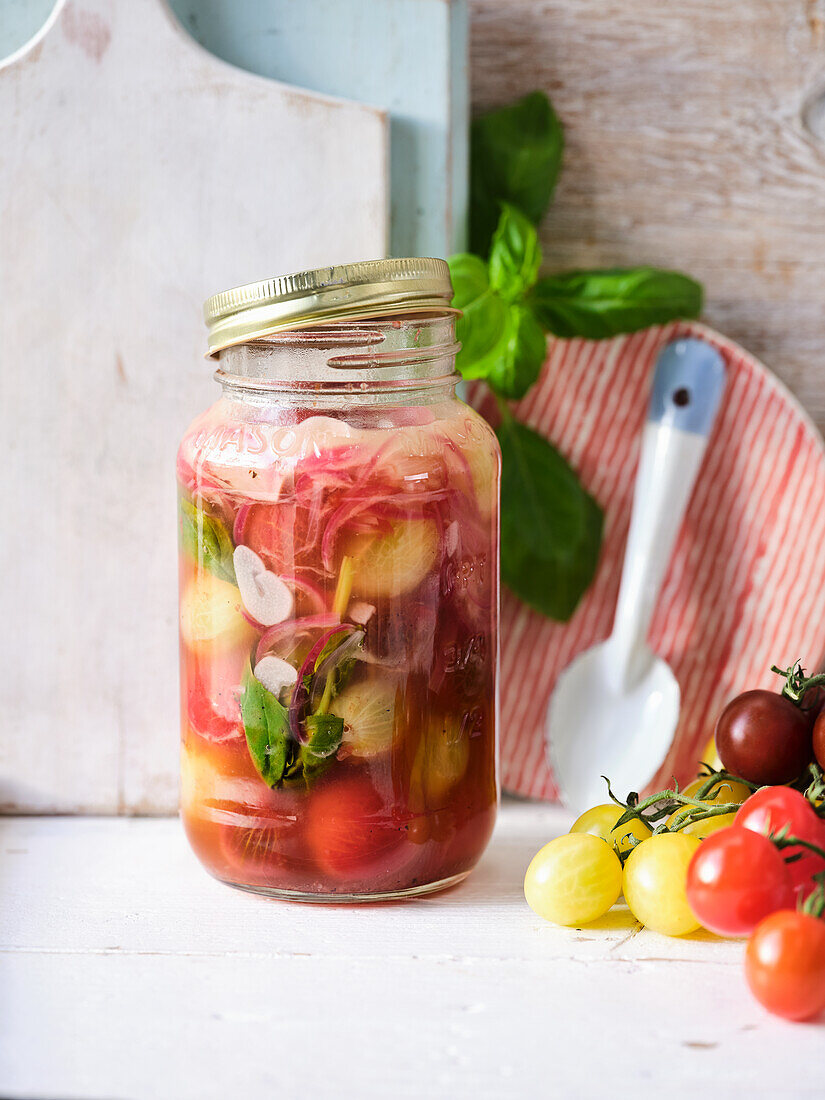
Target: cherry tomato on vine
{"type": "Point", "coordinates": [601, 821]}
{"type": "Point", "coordinates": [654, 883]}
{"type": "Point", "coordinates": [574, 879]}
{"type": "Point", "coordinates": [774, 808]}
{"type": "Point", "coordinates": [736, 878]}
{"type": "Point", "coordinates": [764, 737]}
{"type": "Point", "coordinates": [702, 828]}
{"type": "Point", "coordinates": [723, 790]}
{"type": "Point", "coordinates": [785, 964]}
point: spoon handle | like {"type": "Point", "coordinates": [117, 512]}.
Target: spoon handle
{"type": "Point", "coordinates": [687, 389]}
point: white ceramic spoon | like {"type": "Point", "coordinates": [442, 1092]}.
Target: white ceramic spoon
{"type": "Point", "coordinates": [614, 709]}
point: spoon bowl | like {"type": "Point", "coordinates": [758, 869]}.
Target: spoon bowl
{"type": "Point", "coordinates": [604, 729]}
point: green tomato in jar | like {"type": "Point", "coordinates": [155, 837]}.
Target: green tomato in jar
{"type": "Point", "coordinates": [368, 709]}
{"type": "Point", "coordinates": [441, 760]}
{"type": "Point", "coordinates": [388, 565]}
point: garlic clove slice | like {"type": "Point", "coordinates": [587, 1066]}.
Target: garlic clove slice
{"type": "Point", "coordinates": [275, 674]}
{"type": "Point", "coordinates": [265, 596]}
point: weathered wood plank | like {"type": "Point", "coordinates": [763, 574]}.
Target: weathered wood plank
{"type": "Point", "coordinates": [685, 147]}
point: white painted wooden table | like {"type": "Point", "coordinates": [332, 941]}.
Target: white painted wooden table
{"type": "Point", "coordinates": [128, 973]}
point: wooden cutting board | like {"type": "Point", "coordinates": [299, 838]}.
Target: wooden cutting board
{"type": "Point", "coordinates": [138, 175]}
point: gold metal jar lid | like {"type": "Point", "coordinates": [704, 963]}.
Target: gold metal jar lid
{"type": "Point", "coordinates": [373, 288]}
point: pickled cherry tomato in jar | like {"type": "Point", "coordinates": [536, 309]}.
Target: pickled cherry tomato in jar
{"type": "Point", "coordinates": [338, 522]}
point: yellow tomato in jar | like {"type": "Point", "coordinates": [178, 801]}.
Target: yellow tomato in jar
{"type": "Point", "coordinates": [601, 821]}
{"type": "Point", "coordinates": [210, 615]}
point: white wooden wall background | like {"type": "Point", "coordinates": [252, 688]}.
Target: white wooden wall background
{"type": "Point", "coordinates": [138, 174]}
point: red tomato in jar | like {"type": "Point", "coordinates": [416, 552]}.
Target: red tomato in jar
{"type": "Point", "coordinates": [785, 964]}
{"type": "Point", "coordinates": [735, 878]}
{"type": "Point", "coordinates": [351, 834]}
{"type": "Point", "coordinates": [213, 688]}
{"type": "Point", "coordinates": [774, 808]}
{"type": "Point", "coordinates": [279, 534]}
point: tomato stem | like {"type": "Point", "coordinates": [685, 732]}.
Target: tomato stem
{"type": "Point", "coordinates": [782, 839]}
{"type": "Point", "coordinates": [814, 904]}
{"type": "Point", "coordinates": [796, 682]}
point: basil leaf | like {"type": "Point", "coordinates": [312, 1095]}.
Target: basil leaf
{"type": "Point", "coordinates": [515, 157]}
{"type": "Point", "coordinates": [480, 329]}
{"type": "Point", "coordinates": [469, 278]}
{"type": "Point", "coordinates": [515, 256]}
{"type": "Point", "coordinates": [516, 361]}
{"type": "Point", "coordinates": [550, 527]}
{"type": "Point", "coordinates": [600, 304]}
{"type": "Point", "coordinates": [206, 540]}
{"type": "Point", "coordinates": [326, 731]}
{"type": "Point", "coordinates": [266, 724]}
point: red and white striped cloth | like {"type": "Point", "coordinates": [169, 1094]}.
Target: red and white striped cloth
{"type": "Point", "coordinates": [746, 586]}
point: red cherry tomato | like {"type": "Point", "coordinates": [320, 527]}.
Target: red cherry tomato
{"type": "Point", "coordinates": [351, 833]}
{"type": "Point", "coordinates": [773, 808]}
{"type": "Point", "coordinates": [764, 737]}
{"type": "Point", "coordinates": [735, 878]}
{"type": "Point", "coordinates": [785, 964]}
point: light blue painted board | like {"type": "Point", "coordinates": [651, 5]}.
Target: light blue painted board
{"type": "Point", "coordinates": [407, 56]}
{"type": "Point", "coordinates": [20, 20]}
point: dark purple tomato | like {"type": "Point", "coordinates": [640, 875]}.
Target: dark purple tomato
{"type": "Point", "coordinates": [764, 738]}
{"type": "Point", "coordinates": [819, 739]}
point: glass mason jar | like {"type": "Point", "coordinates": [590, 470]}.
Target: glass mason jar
{"type": "Point", "coordinates": [339, 592]}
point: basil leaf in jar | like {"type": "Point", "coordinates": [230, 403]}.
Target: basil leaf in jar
{"type": "Point", "coordinates": [326, 731]}
{"type": "Point", "coordinates": [206, 540]}
{"type": "Point", "coordinates": [266, 725]}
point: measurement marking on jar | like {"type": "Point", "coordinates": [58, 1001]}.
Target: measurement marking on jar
{"type": "Point", "coordinates": [459, 656]}
{"type": "Point", "coordinates": [462, 573]}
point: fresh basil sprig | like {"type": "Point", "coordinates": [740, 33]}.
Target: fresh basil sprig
{"type": "Point", "coordinates": [600, 304]}
{"type": "Point", "coordinates": [551, 528]}
{"type": "Point", "coordinates": [204, 538]}
{"type": "Point", "coordinates": [501, 339]}
{"type": "Point", "coordinates": [515, 157]}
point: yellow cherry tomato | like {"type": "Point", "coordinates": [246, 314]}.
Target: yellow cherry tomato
{"type": "Point", "coordinates": [710, 755]}
{"type": "Point", "coordinates": [574, 879]}
{"type": "Point", "coordinates": [726, 790]}
{"type": "Point", "coordinates": [601, 821]}
{"type": "Point", "coordinates": [654, 883]}
{"type": "Point", "coordinates": [702, 828]}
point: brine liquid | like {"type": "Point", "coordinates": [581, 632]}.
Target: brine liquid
{"type": "Point", "coordinates": [338, 674]}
